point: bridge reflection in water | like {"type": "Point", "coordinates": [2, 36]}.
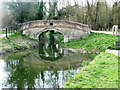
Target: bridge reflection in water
{"type": "Point", "coordinates": [50, 45]}
{"type": "Point", "coordinates": [29, 69]}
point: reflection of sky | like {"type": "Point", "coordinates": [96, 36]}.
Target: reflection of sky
{"type": "Point", "coordinates": [35, 70]}
{"type": "Point", "coordinates": [49, 81]}
{"type": "Point", "coordinates": [2, 72]}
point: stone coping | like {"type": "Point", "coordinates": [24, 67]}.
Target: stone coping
{"type": "Point", "coordinates": [54, 21]}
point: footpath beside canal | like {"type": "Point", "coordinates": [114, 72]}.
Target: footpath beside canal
{"type": "Point", "coordinates": [115, 52]}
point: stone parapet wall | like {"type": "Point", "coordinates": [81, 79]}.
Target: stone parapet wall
{"type": "Point", "coordinates": [70, 30]}
{"type": "Point", "coordinates": [56, 23]}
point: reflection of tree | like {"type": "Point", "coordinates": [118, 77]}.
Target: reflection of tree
{"type": "Point", "coordinates": [50, 49]}
{"type": "Point", "coordinates": [26, 69]}
{"type": "Point", "coordinates": [20, 76]}
{"type": "Point", "coordinates": [53, 79]}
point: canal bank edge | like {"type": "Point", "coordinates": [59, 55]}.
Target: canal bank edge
{"type": "Point", "coordinates": [102, 72]}
{"type": "Point", "coordinates": [16, 42]}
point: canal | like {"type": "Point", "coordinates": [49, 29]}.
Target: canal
{"type": "Point", "coordinates": [48, 66]}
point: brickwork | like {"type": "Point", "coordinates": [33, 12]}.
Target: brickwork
{"type": "Point", "coordinates": [70, 30]}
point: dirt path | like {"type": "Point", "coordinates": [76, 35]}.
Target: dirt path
{"type": "Point", "coordinates": [4, 35]}
{"type": "Point", "coordinates": [105, 32]}
{"type": "Point", "coordinates": [116, 52]}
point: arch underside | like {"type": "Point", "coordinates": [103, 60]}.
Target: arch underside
{"type": "Point", "coordinates": [46, 29]}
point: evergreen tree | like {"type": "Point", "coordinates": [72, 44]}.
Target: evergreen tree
{"type": "Point", "coordinates": [41, 10]}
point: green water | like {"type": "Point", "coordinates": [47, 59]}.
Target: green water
{"type": "Point", "coordinates": [48, 66]}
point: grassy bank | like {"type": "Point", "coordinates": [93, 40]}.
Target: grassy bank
{"type": "Point", "coordinates": [94, 42]}
{"type": "Point", "coordinates": [17, 41]}
{"type": "Point", "coordinates": [118, 30]}
{"type": "Point", "coordinates": [102, 72]}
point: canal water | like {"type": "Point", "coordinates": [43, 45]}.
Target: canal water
{"type": "Point", "coordinates": [48, 66]}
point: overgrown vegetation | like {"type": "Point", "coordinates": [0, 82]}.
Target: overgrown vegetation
{"type": "Point", "coordinates": [102, 72]}
{"type": "Point", "coordinates": [94, 42]}
{"type": "Point", "coordinates": [17, 41]}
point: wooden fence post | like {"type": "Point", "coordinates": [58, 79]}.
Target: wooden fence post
{"type": "Point", "coordinates": [6, 29]}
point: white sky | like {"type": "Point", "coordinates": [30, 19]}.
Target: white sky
{"type": "Point", "coordinates": [81, 2]}
{"type": "Point", "coordinates": [64, 1]}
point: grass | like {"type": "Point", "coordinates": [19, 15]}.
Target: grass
{"type": "Point", "coordinates": [102, 72]}
{"type": "Point", "coordinates": [4, 32]}
{"type": "Point", "coordinates": [17, 41]}
{"type": "Point", "coordinates": [94, 42]}
{"type": "Point", "coordinates": [118, 30]}
{"type": "Point", "coordinates": [1, 32]}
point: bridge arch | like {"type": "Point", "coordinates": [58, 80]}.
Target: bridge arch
{"type": "Point", "coordinates": [70, 30]}
{"type": "Point", "coordinates": [65, 37]}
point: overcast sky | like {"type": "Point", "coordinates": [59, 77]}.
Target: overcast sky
{"type": "Point", "coordinates": [71, 1]}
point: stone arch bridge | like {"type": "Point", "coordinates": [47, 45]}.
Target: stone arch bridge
{"type": "Point", "coordinates": [70, 30]}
